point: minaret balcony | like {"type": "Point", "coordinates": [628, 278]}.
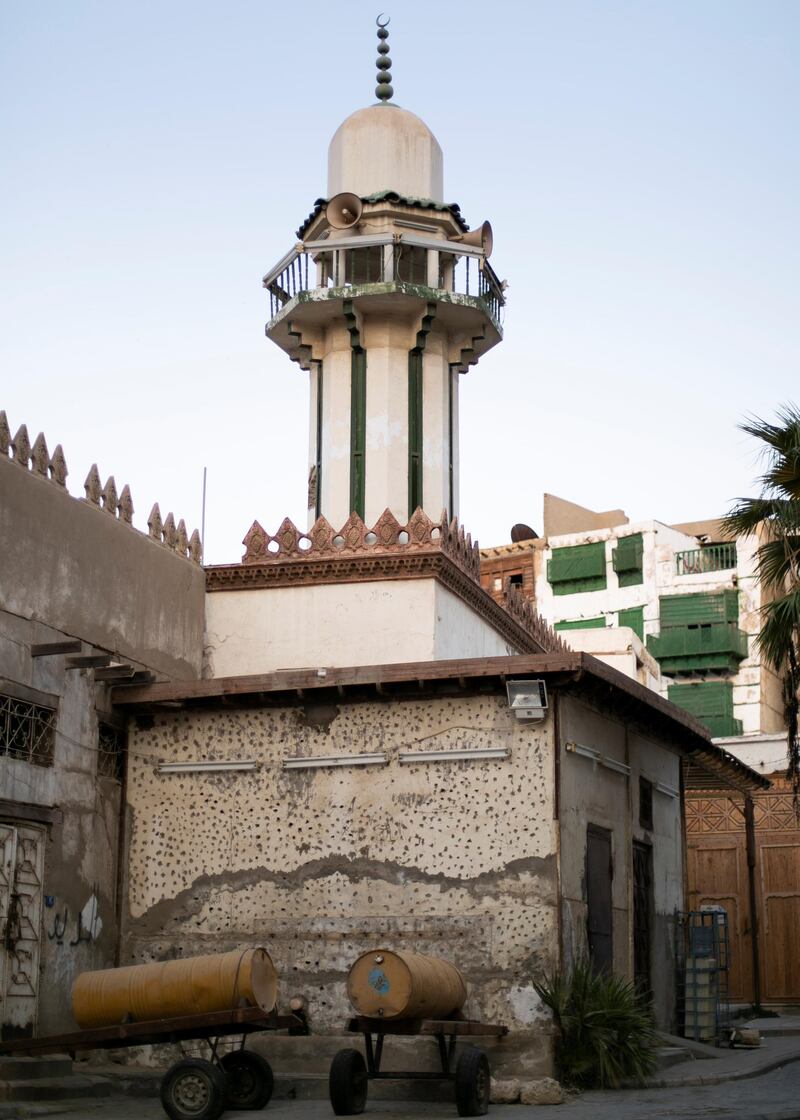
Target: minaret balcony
{"type": "Point", "coordinates": [379, 271]}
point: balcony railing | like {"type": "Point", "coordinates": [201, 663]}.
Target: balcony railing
{"type": "Point", "coordinates": [716, 645]}
{"type": "Point", "coordinates": [712, 558]}
{"type": "Point", "coordinates": [385, 259]}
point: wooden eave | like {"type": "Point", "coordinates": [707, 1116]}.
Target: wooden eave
{"type": "Point", "coordinates": [576, 673]}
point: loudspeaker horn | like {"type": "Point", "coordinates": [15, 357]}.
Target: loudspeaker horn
{"type": "Point", "coordinates": [344, 210]}
{"type": "Point", "coordinates": [480, 238]}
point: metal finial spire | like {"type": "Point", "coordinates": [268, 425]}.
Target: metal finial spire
{"type": "Point", "coordinates": [383, 89]}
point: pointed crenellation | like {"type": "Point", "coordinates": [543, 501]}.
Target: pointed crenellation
{"type": "Point", "coordinates": [58, 467]}
{"type": "Point", "coordinates": [182, 538]}
{"type": "Point", "coordinates": [37, 459]}
{"type": "Point", "coordinates": [154, 523]}
{"type": "Point", "coordinates": [170, 532]}
{"type": "Point", "coordinates": [40, 457]}
{"type": "Point", "coordinates": [21, 447]}
{"type": "Point", "coordinates": [195, 547]}
{"type": "Point", "coordinates": [109, 496]}
{"type": "Point", "coordinates": [125, 505]}
{"type": "Point", "coordinates": [92, 486]}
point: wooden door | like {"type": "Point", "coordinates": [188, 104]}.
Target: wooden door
{"type": "Point", "coordinates": [21, 876]}
{"type": "Point", "coordinates": [600, 914]}
{"type": "Point", "coordinates": [642, 914]}
{"type": "Point", "coordinates": [718, 877]}
{"type": "Point", "coordinates": [780, 901]}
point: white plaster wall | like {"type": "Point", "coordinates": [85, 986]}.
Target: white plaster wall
{"type": "Point", "coordinates": [368, 623]}
{"type": "Point", "coordinates": [387, 343]}
{"type": "Point", "coordinates": [619, 647]}
{"type": "Point", "coordinates": [462, 633]}
{"type": "Point", "coordinates": [336, 429]}
{"type": "Point", "coordinates": [766, 754]}
{"type": "Point", "coordinates": [382, 148]}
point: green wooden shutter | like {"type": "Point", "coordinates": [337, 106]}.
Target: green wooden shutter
{"type": "Point", "coordinates": [711, 702]}
{"type": "Point", "coordinates": [633, 617]}
{"type": "Point", "coordinates": [581, 567]}
{"type": "Point", "coordinates": [627, 559]}
{"type": "Point", "coordinates": [414, 430]}
{"type": "Point", "coordinates": [582, 624]}
{"type": "Point", "coordinates": [686, 610]}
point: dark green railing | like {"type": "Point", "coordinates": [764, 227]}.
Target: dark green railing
{"type": "Point", "coordinates": [712, 558]}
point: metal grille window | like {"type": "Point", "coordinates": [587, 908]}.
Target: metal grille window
{"type": "Point", "coordinates": [27, 731]}
{"type": "Point", "coordinates": [111, 746]}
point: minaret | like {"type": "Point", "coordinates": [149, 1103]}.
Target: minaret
{"type": "Point", "coordinates": [385, 300]}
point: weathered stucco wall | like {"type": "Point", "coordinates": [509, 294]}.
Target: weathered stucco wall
{"type": "Point", "coordinates": [593, 794]}
{"type": "Point", "coordinates": [78, 569]}
{"type": "Point", "coordinates": [453, 858]}
{"type": "Point", "coordinates": [341, 624]}
{"type": "Point", "coordinates": [74, 811]}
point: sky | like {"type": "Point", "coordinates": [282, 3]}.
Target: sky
{"type": "Point", "coordinates": [638, 161]}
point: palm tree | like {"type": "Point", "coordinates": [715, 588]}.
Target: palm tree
{"type": "Point", "coordinates": [775, 518]}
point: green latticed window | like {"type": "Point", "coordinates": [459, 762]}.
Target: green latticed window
{"type": "Point", "coordinates": [688, 610]}
{"type": "Point", "coordinates": [709, 701]}
{"type": "Point", "coordinates": [582, 624]}
{"type": "Point", "coordinates": [579, 568]}
{"type": "Point", "coordinates": [633, 617]}
{"type": "Point", "coordinates": [627, 560]}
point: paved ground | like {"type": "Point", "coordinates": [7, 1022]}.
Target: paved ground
{"type": "Point", "coordinates": [762, 1084]}
{"type": "Point", "coordinates": [773, 1096]}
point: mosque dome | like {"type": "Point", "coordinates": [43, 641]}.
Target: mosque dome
{"type": "Point", "coordinates": [385, 148]}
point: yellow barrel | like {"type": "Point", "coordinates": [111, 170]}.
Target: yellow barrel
{"type": "Point", "coordinates": [167, 989]}
{"type": "Point", "coordinates": [384, 984]}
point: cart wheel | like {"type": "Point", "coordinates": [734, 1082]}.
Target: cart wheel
{"type": "Point", "coordinates": [347, 1083]}
{"type": "Point", "coordinates": [473, 1083]}
{"type": "Point", "coordinates": [249, 1079]}
{"type": "Point", "coordinates": [193, 1089]}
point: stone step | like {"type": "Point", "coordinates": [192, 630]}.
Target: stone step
{"type": "Point", "coordinates": [28, 1069]}
{"type": "Point", "coordinates": [672, 1056]}
{"type": "Point", "coordinates": [55, 1088]}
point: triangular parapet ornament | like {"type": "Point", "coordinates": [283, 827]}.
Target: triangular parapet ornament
{"type": "Point", "coordinates": [287, 537]}
{"type": "Point", "coordinates": [321, 534]}
{"type": "Point", "coordinates": [40, 456]}
{"type": "Point", "coordinates": [58, 467]}
{"type": "Point", "coordinates": [195, 547]}
{"type": "Point", "coordinates": [182, 538]}
{"type": "Point", "coordinates": [170, 532]}
{"type": "Point", "coordinates": [110, 496]}
{"type": "Point", "coordinates": [125, 505]}
{"type": "Point", "coordinates": [255, 544]}
{"type": "Point", "coordinates": [92, 486]}
{"type": "Point", "coordinates": [353, 531]}
{"type": "Point", "coordinates": [154, 523]}
{"type": "Point", "coordinates": [522, 611]}
{"type": "Point", "coordinates": [419, 527]}
{"type": "Point", "coordinates": [387, 529]}
{"type": "Point", "coordinates": [5, 433]}
{"type": "Point", "coordinates": [21, 447]}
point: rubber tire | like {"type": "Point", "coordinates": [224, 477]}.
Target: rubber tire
{"type": "Point", "coordinates": [473, 1083]}
{"type": "Point", "coordinates": [348, 1083]}
{"type": "Point", "coordinates": [212, 1079]}
{"type": "Point", "coordinates": [256, 1074]}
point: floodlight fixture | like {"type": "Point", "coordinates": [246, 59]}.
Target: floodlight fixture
{"type": "Point", "coordinates": [527, 699]}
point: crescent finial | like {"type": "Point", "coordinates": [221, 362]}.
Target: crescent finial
{"type": "Point", "coordinates": [384, 89]}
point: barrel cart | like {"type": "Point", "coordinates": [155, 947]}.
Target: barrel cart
{"type": "Point", "coordinates": [193, 1088]}
{"type": "Point", "coordinates": [350, 1074]}
{"type": "Point", "coordinates": [189, 999]}
{"type": "Point", "coordinates": [404, 993]}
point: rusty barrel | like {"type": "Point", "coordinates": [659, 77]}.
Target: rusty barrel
{"type": "Point", "coordinates": [388, 984]}
{"type": "Point", "coordinates": [168, 989]}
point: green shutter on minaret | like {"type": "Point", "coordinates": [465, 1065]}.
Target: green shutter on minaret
{"type": "Point", "coordinates": [358, 429]}
{"type": "Point", "coordinates": [414, 430]}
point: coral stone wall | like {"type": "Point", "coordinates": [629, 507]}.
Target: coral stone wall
{"type": "Point", "coordinates": [451, 858]}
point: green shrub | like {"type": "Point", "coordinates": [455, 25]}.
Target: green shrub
{"type": "Point", "coordinates": [606, 1028]}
